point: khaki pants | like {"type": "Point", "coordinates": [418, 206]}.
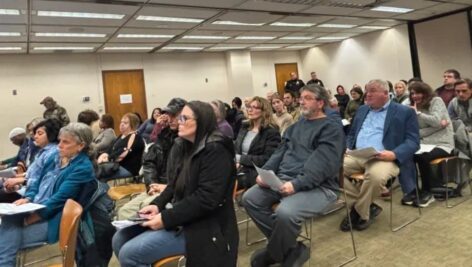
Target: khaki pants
{"type": "Point", "coordinates": [132, 207]}
{"type": "Point", "coordinates": [376, 172]}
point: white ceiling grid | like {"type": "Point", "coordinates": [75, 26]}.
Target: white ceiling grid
{"type": "Point", "coordinates": [197, 25]}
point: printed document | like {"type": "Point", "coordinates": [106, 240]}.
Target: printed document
{"type": "Point", "coordinates": [269, 178]}
{"type": "Point", "coordinates": [11, 209]}
{"type": "Point", "coordinates": [365, 153]}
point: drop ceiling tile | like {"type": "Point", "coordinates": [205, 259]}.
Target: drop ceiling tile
{"type": "Point", "coordinates": [330, 10]}
{"type": "Point", "coordinates": [271, 6]}
{"type": "Point", "coordinates": [203, 3]}
{"type": "Point", "coordinates": [416, 4]}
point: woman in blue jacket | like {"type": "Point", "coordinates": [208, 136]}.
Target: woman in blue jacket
{"type": "Point", "coordinates": [72, 170]}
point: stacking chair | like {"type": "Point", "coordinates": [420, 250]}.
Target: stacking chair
{"type": "Point", "coordinates": [180, 259]}
{"type": "Point", "coordinates": [359, 177]}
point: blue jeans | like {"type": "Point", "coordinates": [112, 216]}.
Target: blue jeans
{"type": "Point", "coordinates": [15, 236]}
{"type": "Point", "coordinates": [121, 173]}
{"type": "Point", "coordinates": [137, 246]}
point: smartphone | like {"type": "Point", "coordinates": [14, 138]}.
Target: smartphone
{"type": "Point", "coordinates": [138, 219]}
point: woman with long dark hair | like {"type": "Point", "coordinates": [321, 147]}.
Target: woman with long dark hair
{"type": "Point", "coordinates": [194, 215]}
{"type": "Point", "coordinates": [342, 98]}
{"type": "Point", "coordinates": [147, 126]}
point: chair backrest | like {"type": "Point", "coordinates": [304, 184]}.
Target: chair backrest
{"type": "Point", "coordinates": [68, 231]}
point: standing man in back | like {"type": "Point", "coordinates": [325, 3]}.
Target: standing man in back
{"type": "Point", "coordinates": [54, 111]}
{"type": "Point", "coordinates": [446, 91]}
{"type": "Point", "coordinates": [294, 84]}
{"type": "Point", "coordinates": [314, 79]}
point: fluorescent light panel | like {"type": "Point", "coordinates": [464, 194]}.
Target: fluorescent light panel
{"type": "Point", "coordinates": [205, 37]}
{"type": "Point", "coordinates": [328, 25]}
{"type": "Point", "coordinates": [265, 47]}
{"type": "Point", "coordinates": [131, 35]}
{"type": "Point", "coordinates": [286, 24]}
{"type": "Point", "coordinates": [9, 12]}
{"type": "Point", "coordinates": [128, 48]}
{"type": "Point", "coordinates": [43, 13]}
{"type": "Point", "coordinates": [9, 34]}
{"type": "Point", "coordinates": [169, 19]}
{"type": "Point", "coordinates": [67, 34]}
{"type": "Point", "coordinates": [64, 48]}
{"type": "Point", "coordinates": [392, 9]}
{"type": "Point", "coordinates": [255, 37]}
{"type": "Point", "coordinates": [228, 48]}
{"type": "Point", "coordinates": [296, 38]}
{"type": "Point", "coordinates": [10, 48]}
{"type": "Point", "coordinates": [182, 48]}
{"type": "Point", "coordinates": [332, 38]}
{"type": "Point", "coordinates": [235, 23]}
{"type": "Point", "coordinates": [373, 27]}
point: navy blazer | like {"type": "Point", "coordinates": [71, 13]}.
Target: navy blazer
{"type": "Point", "coordinates": [401, 133]}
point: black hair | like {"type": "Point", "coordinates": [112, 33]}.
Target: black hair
{"type": "Point", "coordinates": [87, 116]}
{"type": "Point", "coordinates": [153, 120]}
{"type": "Point", "coordinates": [238, 102]}
{"type": "Point", "coordinates": [291, 93]}
{"type": "Point", "coordinates": [107, 121]}
{"type": "Point", "coordinates": [52, 128]}
{"type": "Point", "coordinates": [456, 73]}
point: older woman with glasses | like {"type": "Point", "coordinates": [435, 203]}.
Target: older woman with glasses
{"type": "Point", "coordinates": [257, 140]}
{"type": "Point", "coordinates": [194, 216]}
{"type": "Point", "coordinates": [72, 170]}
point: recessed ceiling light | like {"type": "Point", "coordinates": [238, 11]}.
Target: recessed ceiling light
{"type": "Point", "coordinates": [255, 37]}
{"type": "Point", "coordinates": [286, 24]}
{"type": "Point", "coordinates": [328, 25]}
{"type": "Point", "coordinates": [66, 34]}
{"type": "Point", "coordinates": [227, 48]}
{"type": "Point", "coordinates": [392, 9]}
{"type": "Point", "coordinates": [373, 27]}
{"type": "Point", "coordinates": [9, 12]}
{"type": "Point", "coordinates": [266, 47]}
{"type": "Point", "coordinates": [130, 35]}
{"type": "Point", "coordinates": [128, 48]}
{"type": "Point", "coordinates": [296, 38]}
{"type": "Point", "coordinates": [332, 38]}
{"type": "Point", "coordinates": [8, 48]}
{"type": "Point", "coordinates": [206, 37]}
{"type": "Point", "coordinates": [43, 13]}
{"type": "Point", "coordinates": [8, 34]}
{"type": "Point", "coordinates": [235, 23]}
{"type": "Point", "coordinates": [182, 48]}
{"type": "Point", "coordinates": [63, 48]}
{"type": "Point", "coordinates": [168, 19]}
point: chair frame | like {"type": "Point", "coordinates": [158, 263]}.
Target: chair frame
{"type": "Point", "coordinates": [179, 258]}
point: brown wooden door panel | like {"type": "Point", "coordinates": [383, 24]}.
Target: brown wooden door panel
{"type": "Point", "coordinates": [122, 83]}
{"type": "Point", "coordinates": [282, 74]}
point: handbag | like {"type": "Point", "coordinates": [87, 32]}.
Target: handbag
{"type": "Point", "coordinates": [107, 169]}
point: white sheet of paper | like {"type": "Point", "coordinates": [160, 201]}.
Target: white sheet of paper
{"type": "Point", "coordinates": [269, 178]}
{"type": "Point", "coordinates": [10, 209]}
{"type": "Point", "coordinates": [425, 148]}
{"type": "Point", "coordinates": [365, 153]}
{"type": "Point", "coordinates": [124, 224]}
{"type": "Point", "coordinates": [126, 99]}
{"type": "Point", "coordinates": [345, 122]}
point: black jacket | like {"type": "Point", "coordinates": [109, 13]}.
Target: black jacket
{"type": "Point", "coordinates": [262, 147]}
{"type": "Point", "coordinates": [204, 206]}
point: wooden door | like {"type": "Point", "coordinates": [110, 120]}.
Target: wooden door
{"type": "Point", "coordinates": [124, 92]}
{"type": "Point", "coordinates": [282, 74]}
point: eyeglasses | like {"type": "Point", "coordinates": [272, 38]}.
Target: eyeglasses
{"type": "Point", "coordinates": [308, 98]}
{"type": "Point", "coordinates": [183, 119]}
{"type": "Point", "coordinates": [254, 107]}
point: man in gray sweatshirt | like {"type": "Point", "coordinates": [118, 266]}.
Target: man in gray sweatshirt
{"type": "Point", "coordinates": [308, 163]}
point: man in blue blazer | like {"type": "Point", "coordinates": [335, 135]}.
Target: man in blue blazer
{"type": "Point", "coordinates": [392, 129]}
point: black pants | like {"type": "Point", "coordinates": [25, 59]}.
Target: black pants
{"type": "Point", "coordinates": [9, 197]}
{"type": "Point", "coordinates": [431, 177]}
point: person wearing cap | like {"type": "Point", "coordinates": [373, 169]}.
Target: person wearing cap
{"type": "Point", "coordinates": [18, 137]}
{"type": "Point", "coordinates": [54, 111]}
{"type": "Point", "coordinates": [172, 109]}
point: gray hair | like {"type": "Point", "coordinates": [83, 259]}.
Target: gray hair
{"type": "Point", "coordinates": [81, 132]}
{"type": "Point", "coordinates": [381, 83]}
{"type": "Point", "coordinates": [320, 92]}
{"type": "Point", "coordinates": [220, 108]}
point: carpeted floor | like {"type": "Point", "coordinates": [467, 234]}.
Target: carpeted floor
{"type": "Point", "coordinates": [441, 237]}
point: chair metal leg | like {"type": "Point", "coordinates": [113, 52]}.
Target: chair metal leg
{"type": "Point", "coordinates": [354, 250]}
{"type": "Point", "coordinates": [446, 176]}
{"type": "Point", "coordinates": [248, 220]}
{"type": "Point", "coordinates": [395, 229]}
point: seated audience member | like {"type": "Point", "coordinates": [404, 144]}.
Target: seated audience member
{"type": "Point", "coordinates": [220, 112]}
{"type": "Point", "coordinates": [308, 163]}
{"type": "Point", "coordinates": [162, 121]}
{"type": "Point", "coordinates": [401, 94]}
{"type": "Point", "coordinates": [140, 119]}
{"type": "Point", "coordinates": [257, 140]}
{"type": "Point", "coordinates": [290, 102]}
{"type": "Point", "coordinates": [446, 91]}
{"type": "Point", "coordinates": [146, 128]}
{"type": "Point", "coordinates": [156, 164]}
{"type": "Point", "coordinates": [390, 128]}
{"type": "Point", "coordinates": [19, 138]}
{"type": "Point", "coordinates": [90, 118]}
{"type": "Point", "coordinates": [32, 148]}
{"type": "Point", "coordinates": [435, 129]}
{"type": "Point", "coordinates": [127, 149]}
{"type": "Point", "coordinates": [72, 170]}
{"type": "Point", "coordinates": [460, 107]}
{"type": "Point", "coordinates": [343, 99]}
{"type": "Point", "coordinates": [281, 116]}
{"type": "Point", "coordinates": [238, 115]}
{"type": "Point", "coordinates": [354, 103]}
{"type": "Point", "coordinates": [194, 216]}
{"type": "Point", "coordinates": [106, 136]}
{"type": "Point", "coordinates": [45, 138]}
{"type": "Point", "coordinates": [247, 100]}
{"type": "Point", "coordinates": [54, 111]}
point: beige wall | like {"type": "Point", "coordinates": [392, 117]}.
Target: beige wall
{"type": "Point", "coordinates": [382, 54]}
{"type": "Point", "coordinates": [444, 43]}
